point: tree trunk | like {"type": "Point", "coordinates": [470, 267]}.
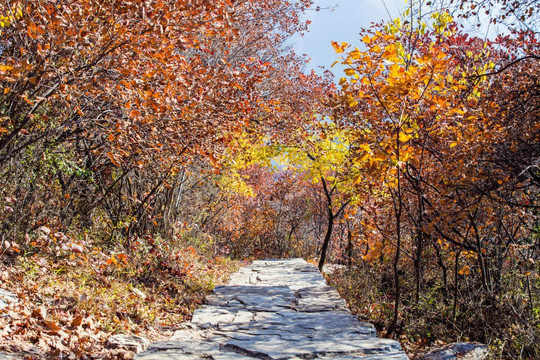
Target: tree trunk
{"type": "Point", "coordinates": [398, 209]}
{"type": "Point", "coordinates": [327, 237]}
{"type": "Point", "coordinates": [331, 218]}
{"type": "Point", "coordinates": [349, 245]}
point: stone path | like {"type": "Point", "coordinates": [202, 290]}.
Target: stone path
{"type": "Point", "coordinates": [277, 309]}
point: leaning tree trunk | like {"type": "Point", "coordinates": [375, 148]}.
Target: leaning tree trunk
{"type": "Point", "coordinates": [327, 237]}
{"type": "Point", "coordinates": [331, 218]}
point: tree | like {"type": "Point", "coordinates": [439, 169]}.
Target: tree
{"type": "Point", "coordinates": [514, 14]}
{"type": "Point", "coordinates": [109, 95]}
{"type": "Point", "coordinates": [431, 124]}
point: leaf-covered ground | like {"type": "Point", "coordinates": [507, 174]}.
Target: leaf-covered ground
{"type": "Point", "coordinates": [69, 306]}
{"type": "Point", "coordinates": [430, 322]}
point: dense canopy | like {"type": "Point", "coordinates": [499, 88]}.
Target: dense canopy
{"type": "Point", "coordinates": [147, 142]}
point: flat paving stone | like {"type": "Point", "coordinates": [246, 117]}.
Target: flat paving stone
{"type": "Point", "coordinates": [275, 309]}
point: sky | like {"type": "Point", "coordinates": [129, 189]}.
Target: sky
{"type": "Point", "coordinates": [342, 24]}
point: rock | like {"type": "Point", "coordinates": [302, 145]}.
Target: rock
{"type": "Point", "coordinates": [132, 343]}
{"type": "Point", "coordinates": [7, 298]}
{"type": "Point", "coordinates": [461, 351]}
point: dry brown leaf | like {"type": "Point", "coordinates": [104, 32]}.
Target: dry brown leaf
{"type": "Point", "coordinates": [52, 326]}
{"type": "Point", "coordinates": [77, 321]}
{"type": "Point", "coordinates": [43, 344]}
{"type": "Point", "coordinates": [40, 313]}
{"type": "Point", "coordinates": [90, 323]}
{"type": "Point", "coordinates": [45, 230]}
{"type": "Point", "coordinates": [19, 331]}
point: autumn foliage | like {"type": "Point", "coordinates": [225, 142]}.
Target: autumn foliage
{"type": "Point", "coordinates": [444, 130]}
{"type": "Point", "coordinates": [146, 142]}
{"type": "Point", "coordinates": [109, 102]}
{"type": "Point", "coordinates": [425, 161]}
{"type": "Point", "coordinates": [114, 116]}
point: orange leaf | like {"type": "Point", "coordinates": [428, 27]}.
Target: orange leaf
{"type": "Point", "coordinates": [122, 257]}
{"type": "Point", "coordinates": [31, 30]}
{"type": "Point", "coordinates": [52, 326]}
{"type": "Point", "coordinates": [77, 321]}
{"type": "Point", "coordinates": [376, 49]}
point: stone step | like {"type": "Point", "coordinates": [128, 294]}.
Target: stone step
{"type": "Point", "coordinates": [275, 309]}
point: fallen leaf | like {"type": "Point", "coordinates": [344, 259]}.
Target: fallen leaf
{"type": "Point", "coordinates": [77, 321]}
{"type": "Point", "coordinates": [45, 230]}
{"type": "Point", "coordinates": [52, 326]}
{"type": "Point", "coordinates": [39, 313]}
{"type": "Point", "coordinates": [76, 248]}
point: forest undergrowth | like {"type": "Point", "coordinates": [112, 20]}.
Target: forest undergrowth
{"type": "Point", "coordinates": [72, 298]}
{"type": "Point", "coordinates": [507, 324]}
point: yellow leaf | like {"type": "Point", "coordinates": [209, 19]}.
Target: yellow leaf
{"type": "Point", "coordinates": [356, 54]}
{"type": "Point", "coordinates": [453, 144]}
{"type": "Point", "coordinates": [339, 48]}
{"type": "Point", "coordinates": [365, 147]}
{"type": "Point", "coordinates": [366, 39]}
{"type": "Point", "coordinates": [350, 72]}
{"type": "Point", "coordinates": [404, 137]}
{"type": "Point", "coordinates": [376, 49]}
